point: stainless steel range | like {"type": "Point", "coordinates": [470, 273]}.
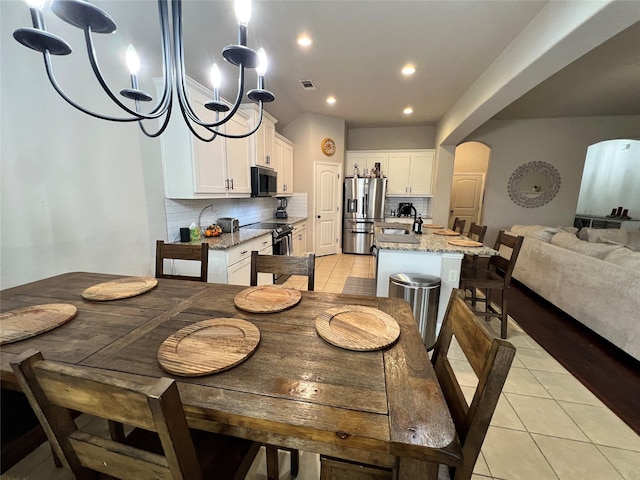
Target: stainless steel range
{"type": "Point", "coordinates": [282, 235]}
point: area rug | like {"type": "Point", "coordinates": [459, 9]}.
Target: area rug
{"type": "Point", "coordinates": [360, 286]}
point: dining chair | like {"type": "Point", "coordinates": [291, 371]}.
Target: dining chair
{"type": "Point", "coordinates": [477, 234]}
{"type": "Point", "coordinates": [293, 266]}
{"type": "Point", "coordinates": [161, 445]}
{"type": "Point", "coordinates": [283, 264]}
{"type": "Point", "coordinates": [177, 251]}
{"type": "Point", "coordinates": [490, 358]}
{"type": "Point", "coordinates": [495, 276]}
{"type": "Point", "coordinates": [458, 225]}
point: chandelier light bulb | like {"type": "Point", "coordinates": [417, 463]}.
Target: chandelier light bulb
{"type": "Point", "coordinates": [38, 4]}
{"type": "Point", "coordinates": [243, 11]}
{"type": "Point", "coordinates": [133, 61]}
{"type": "Point", "coordinates": [261, 69]}
{"type": "Point", "coordinates": [216, 76]}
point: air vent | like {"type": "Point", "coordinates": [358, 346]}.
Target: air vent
{"type": "Point", "coordinates": [307, 84]}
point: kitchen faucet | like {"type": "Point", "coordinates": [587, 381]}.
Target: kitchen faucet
{"type": "Point", "coordinates": [406, 209]}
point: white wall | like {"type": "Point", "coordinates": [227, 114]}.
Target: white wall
{"type": "Point", "coordinates": [391, 138]}
{"type": "Point", "coordinates": [562, 142]}
{"type": "Point", "coordinates": [77, 193]}
{"type": "Point", "coordinates": [307, 132]}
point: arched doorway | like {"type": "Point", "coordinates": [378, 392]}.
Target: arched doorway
{"type": "Point", "coordinates": [471, 162]}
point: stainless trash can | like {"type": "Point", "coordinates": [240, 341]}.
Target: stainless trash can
{"type": "Point", "coordinates": [422, 292]}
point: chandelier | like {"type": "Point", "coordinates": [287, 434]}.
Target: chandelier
{"type": "Point", "coordinates": [92, 19]}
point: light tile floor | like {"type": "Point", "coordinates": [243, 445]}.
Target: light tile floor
{"type": "Point", "coordinates": [547, 425]}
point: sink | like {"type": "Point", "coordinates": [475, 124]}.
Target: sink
{"type": "Point", "coordinates": [395, 231]}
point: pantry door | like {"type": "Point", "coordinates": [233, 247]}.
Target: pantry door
{"type": "Point", "coordinates": [466, 198]}
{"type": "Point", "coordinates": [327, 208]}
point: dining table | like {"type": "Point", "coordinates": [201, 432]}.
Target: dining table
{"type": "Point", "coordinates": [296, 390]}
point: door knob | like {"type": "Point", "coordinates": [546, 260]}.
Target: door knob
{"type": "Point", "coordinates": [318, 216]}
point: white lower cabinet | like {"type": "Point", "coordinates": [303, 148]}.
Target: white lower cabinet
{"type": "Point", "coordinates": [300, 239]}
{"type": "Point", "coordinates": [232, 265]}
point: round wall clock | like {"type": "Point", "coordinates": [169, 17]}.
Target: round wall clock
{"type": "Point", "coordinates": [328, 146]}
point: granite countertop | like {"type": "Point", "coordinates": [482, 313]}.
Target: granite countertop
{"type": "Point", "coordinates": [428, 242]}
{"type": "Point", "coordinates": [230, 240]}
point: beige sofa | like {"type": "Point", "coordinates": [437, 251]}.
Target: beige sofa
{"type": "Point", "coordinates": [593, 276]}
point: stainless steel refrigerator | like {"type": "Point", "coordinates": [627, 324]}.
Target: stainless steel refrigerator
{"type": "Point", "coordinates": [363, 204]}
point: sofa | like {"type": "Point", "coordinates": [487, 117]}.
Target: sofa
{"type": "Point", "coordinates": [591, 274]}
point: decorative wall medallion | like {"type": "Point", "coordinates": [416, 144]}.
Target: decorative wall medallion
{"type": "Point", "coordinates": [534, 184]}
{"type": "Point", "coordinates": [328, 146]}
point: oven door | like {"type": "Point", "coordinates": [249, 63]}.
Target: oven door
{"type": "Point", "coordinates": [282, 246]}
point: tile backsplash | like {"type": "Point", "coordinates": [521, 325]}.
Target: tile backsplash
{"type": "Point", "coordinates": [182, 213]}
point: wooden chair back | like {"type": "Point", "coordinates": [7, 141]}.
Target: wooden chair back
{"type": "Point", "coordinates": [283, 264]}
{"type": "Point", "coordinates": [179, 251]}
{"type": "Point", "coordinates": [477, 232]}
{"type": "Point", "coordinates": [504, 265]}
{"type": "Point", "coordinates": [490, 358]}
{"type": "Point", "coordinates": [458, 225]}
{"type": "Point", "coordinates": [55, 389]}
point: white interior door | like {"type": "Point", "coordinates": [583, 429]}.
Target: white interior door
{"type": "Point", "coordinates": [327, 208]}
{"type": "Point", "coordinates": [466, 198]}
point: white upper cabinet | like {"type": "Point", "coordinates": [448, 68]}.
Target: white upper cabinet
{"type": "Point", "coordinates": [410, 173]}
{"type": "Point", "coordinates": [262, 143]}
{"type": "Point", "coordinates": [365, 161]}
{"type": "Point", "coordinates": [196, 169]}
{"type": "Point", "coordinates": [237, 155]}
{"type": "Point", "coordinates": [283, 164]}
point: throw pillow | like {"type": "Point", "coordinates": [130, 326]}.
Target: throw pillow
{"type": "Point", "coordinates": [572, 230]}
{"type": "Point", "coordinates": [573, 243]}
{"type": "Point", "coordinates": [601, 234]}
{"type": "Point", "coordinates": [539, 232]}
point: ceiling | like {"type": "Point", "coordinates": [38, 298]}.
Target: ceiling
{"type": "Point", "coordinates": [359, 48]}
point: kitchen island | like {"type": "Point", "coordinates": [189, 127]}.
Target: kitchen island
{"type": "Point", "coordinates": [426, 254]}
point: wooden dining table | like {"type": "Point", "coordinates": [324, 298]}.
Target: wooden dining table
{"type": "Point", "coordinates": [296, 390]}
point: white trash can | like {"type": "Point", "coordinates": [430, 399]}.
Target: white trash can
{"type": "Point", "coordinates": [422, 292]}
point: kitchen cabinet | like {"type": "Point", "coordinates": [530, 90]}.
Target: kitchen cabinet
{"type": "Point", "coordinates": [261, 143]}
{"type": "Point", "coordinates": [300, 239]}
{"type": "Point", "coordinates": [366, 161]}
{"type": "Point", "coordinates": [283, 164]}
{"type": "Point", "coordinates": [233, 265]}
{"type": "Point", "coordinates": [411, 173]}
{"type": "Point", "coordinates": [196, 169]}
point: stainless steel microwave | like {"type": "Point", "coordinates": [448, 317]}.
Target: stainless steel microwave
{"type": "Point", "coordinates": [264, 182]}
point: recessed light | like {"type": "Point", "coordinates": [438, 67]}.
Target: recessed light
{"type": "Point", "coordinates": [408, 111]}
{"type": "Point", "coordinates": [408, 69]}
{"type": "Point", "coordinates": [304, 40]}
{"type": "Point", "coordinates": [331, 100]}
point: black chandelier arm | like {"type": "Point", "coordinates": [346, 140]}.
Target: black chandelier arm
{"type": "Point", "coordinates": [176, 12]}
{"type": "Point", "coordinates": [247, 134]}
{"type": "Point", "coordinates": [167, 64]}
{"type": "Point", "coordinates": [49, 69]}
{"type": "Point", "coordinates": [162, 127]}
{"type": "Point", "coordinates": [158, 111]}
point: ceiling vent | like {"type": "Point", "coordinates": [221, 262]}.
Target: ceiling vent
{"type": "Point", "coordinates": [307, 84]}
